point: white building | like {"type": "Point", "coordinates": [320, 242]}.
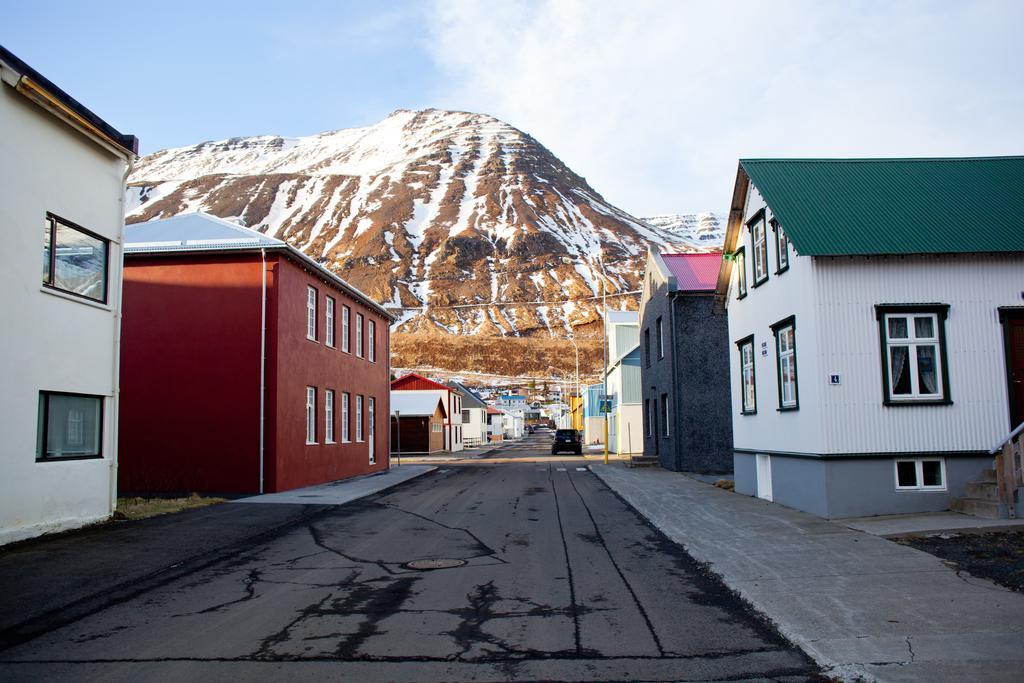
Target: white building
{"type": "Point", "coordinates": [625, 421]}
{"type": "Point", "coordinates": [63, 171]}
{"type": "Point", "coordinates": [872, 304]}
{"type": "Point", "coordinates": [474, 416]}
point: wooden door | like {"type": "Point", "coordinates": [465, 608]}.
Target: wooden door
{"type": "Point", "coordinates": [1014, 339]}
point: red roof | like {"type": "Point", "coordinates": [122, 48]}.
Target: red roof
{"type": "Point", "coordinates": [694, 272]}
{"type": "Point", "coordinates": [416, 382]}
{"type": "Point", "coordinates": [494, 411]}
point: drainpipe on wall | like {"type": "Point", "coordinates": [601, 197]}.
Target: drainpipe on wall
{"type": "Point", "coordinates": [263, 359]}
{"type": "Point", "coordinates": [677, 457]}
{"type": "Point", "coordinates": [116, 385]}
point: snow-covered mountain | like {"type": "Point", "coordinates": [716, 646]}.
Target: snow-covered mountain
{"type": "Point", "coordinates": [691, 231]}
{"type": "Point", "coordinates": [459, 221]}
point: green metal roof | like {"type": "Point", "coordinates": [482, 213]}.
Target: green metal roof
{"type": "Point", "coordinates": [895, 206]}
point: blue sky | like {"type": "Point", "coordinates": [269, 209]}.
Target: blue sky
{"type": "Point", "coordinates": [653, 101]}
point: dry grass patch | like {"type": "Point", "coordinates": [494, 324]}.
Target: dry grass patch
{"type": "Point", "coordinates": [141, 508]}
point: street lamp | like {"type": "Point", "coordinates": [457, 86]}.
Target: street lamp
{"type": "Point", "coordinates": [398, 433]}
{"type": "Point", "coordinates": [579, 395]}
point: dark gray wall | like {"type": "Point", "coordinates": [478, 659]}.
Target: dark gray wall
{"type": "Point", "coordinates": [695, 375]}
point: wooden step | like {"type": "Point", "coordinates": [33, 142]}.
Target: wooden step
{"type": "Point", "coordinates": [978, 507]}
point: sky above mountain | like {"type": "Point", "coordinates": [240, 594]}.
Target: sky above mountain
{"type": "Point", "coordinates": [653, 101]}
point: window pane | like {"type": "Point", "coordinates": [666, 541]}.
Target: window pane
{"type": "Point", "coordinates": [931, 473]}
{"type": "Point", "coordinates": [897, 328]}
{"type": "Point", "coordinates": [73, 426]}
{"type": "Point", "coordinates": [81, 263]}
{"type": "Point", "coordinates": [926, 371]}
{"type": "Point", "coordinates": [900, 371]}
{"type": "Point", "coordinates": [46, 252]}
{"type": "Point", "coordinates": [906, 473]}
{"type": "Point", "coordinates": [924, 328]}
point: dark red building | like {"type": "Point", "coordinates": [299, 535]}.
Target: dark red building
{"type": "Point", "coordinates": [245, 366]}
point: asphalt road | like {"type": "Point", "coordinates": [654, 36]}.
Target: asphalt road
{"type": "Point", "coordinates": [557, 580]}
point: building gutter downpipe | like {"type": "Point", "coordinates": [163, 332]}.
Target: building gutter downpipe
{"type": "Point", "coordinates": [118, 305]}
{"type": "Point", "coordinates": [263, 362]}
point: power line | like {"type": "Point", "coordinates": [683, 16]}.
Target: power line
{"type": "Point", "coordinates": [488, 304]}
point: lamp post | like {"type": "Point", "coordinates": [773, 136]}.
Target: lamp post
{"type": "Point", "coordinates": [579, 394]}
{"type": "Point", "coordinates": [604, 353]}
{"type": "Point", "coordinates": [398, 433]}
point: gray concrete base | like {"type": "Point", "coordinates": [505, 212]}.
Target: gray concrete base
{"type": "Point", "coordinates": [853, 487]}
{"type": "Point", "coordinates": [927, 523]}
{"type": "Point", "coordinates": [862, 606]}
{"type": "Point", "coordinates": [344, 491]}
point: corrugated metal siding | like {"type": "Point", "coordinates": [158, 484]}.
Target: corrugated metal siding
{"type": "Point", "coordinates": [631, 384]}
{"type": "Point", "coordinates": [895, 206]}
{"type": "Point", "coordinates": [626, 338]}
{"type": "Point", "coordinates": [593, 395]}
{"type": "Point", "coordinates": [856, 421]}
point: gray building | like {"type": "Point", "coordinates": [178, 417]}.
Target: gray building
{"type": "Point", "coordinates": [684, 347]}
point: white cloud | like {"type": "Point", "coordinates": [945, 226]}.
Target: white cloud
{"type": "Point", "coordinates": [653, 101]}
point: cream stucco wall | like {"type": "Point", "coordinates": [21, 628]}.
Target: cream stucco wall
{"type": "Point", "coordinates": [51, 341]}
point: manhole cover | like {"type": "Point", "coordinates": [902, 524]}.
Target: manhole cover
{"type": "Point", "coordinates": [440, 563]}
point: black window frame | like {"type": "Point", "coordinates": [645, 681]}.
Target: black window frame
{"type": "Point", "coordinates": [749, 339]}
{"type": "Point", "coordinates": [666, 431]}
{"type": "Point", "coordinates": [739, 258]}
{"type": "Point", "coordinates": [775, 328]}
{"type": "Point", "coordinates": [44, 428]}
{"type": "Point", "coordinates": [53, 219]}
{"type": "Point", "coordinates": [779, 250]}
{"type": "Point", "coordinates": [647, 347]}
{"type": "Point", "coordinates": [941, 312]}
{"type": "Point", "coordinates": [759, 216]}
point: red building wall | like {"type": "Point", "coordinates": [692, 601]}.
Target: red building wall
{"type": "Point", "coordinates": [298, 363]}
{"type": "Point", "coordinates": [190, 377]}
{"type": "Point", "coordinates": [190, 362]}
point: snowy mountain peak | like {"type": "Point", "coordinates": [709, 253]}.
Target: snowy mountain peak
{"type": "Point", "coordinates": [463, 223]}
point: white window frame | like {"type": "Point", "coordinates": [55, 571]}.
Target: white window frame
{"type": "Point", "coordinates": [359, 335]}
{"type": "Point", "coordinates": [786, 358]}
{"type": "Point", "coordinates": [329, 416]}
{"type": "Point", "coordinates": [781, 247]}
{"type": "Point", "coordinates": [919, 474]}
{"type": "Point", "coordinates": [346, 335]}
{"type": "Point", "coordinates": [311, 296]}
{"type": "Point", "coordinates": [740, 260]}
{"type": "Point", "coordinates": [747, 364]}
{"type": "Point", "coordinates": [359, 418]}
{"type": "Point", "coordinates": [661, 338]}
{"type": "Point", "coordinates": [912, 342]}
{"type": "Point", "coordinates": [650, 416]}
{"type": "Point", "coordinates": [666, 429]}
{"type": "Point", "coordinates": [310, 416]}
{"type": "Point", "coordinates": [329, 312]}
{"type": "Point", "coordinates": [759, 245]}
{"type": "Point", "coordinates": [371, 341]}
{"type": "Point", "coordinates": [345, 421]}
{"type": "Point", "coordinates": [371, 426]}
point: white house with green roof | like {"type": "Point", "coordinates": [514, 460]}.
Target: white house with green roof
{"type": "Point", "coordinates": [876, 312]}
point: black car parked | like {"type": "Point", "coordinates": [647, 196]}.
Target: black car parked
{"type": "Point", "coordinates": [567, 440]}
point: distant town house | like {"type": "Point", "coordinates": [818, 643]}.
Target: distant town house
{"type": "Point", "coordinates": [61, 220]}
{"type": "Point", "coordinates": [418, 422]}
{"type": "Point", "coordinates": [625, 416]}
{"type": "Point", "coordinates": [412, 382]}
{"type": "Point", "coordinates": [246, 367]}
{"type": "Point", "coordinates": [876, 317]}
{"type": "Point", "coordinates": [684, 364]}
{"type": "Point", "coordinates": [474, 415]}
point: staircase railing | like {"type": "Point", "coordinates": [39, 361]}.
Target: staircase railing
{"type": "Point", "coordinates": [1010, 467]}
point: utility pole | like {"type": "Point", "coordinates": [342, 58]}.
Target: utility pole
{"type": "Point", "coordinates": [579, 393]}
{"type": "Point", "coordinates": [604, 351]}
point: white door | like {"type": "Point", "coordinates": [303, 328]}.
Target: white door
{"type": "Point", "coordinates": [764, 476]}
{"type": "Point", "coordinates": [373, 431]}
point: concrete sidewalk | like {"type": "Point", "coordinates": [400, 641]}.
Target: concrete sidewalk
{"type": "Point", "coordinates": [862, 606]}
{"type": "Point", "coordinates": [344, 491]}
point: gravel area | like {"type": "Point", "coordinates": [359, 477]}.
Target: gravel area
{"type": "Point", "coordinates": [997, 555]}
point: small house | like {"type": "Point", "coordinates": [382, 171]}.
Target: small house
{"type": "Point", "coordinates": [418, 422]}
{"type": "Point", "coordinates": [61, 221]}
{"type": "Point", "coordinates": [474, 415]}
{"type": "Point", "coordinates": [452, 405]}
{"type": "Point", "coordinates": [875, 312]}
